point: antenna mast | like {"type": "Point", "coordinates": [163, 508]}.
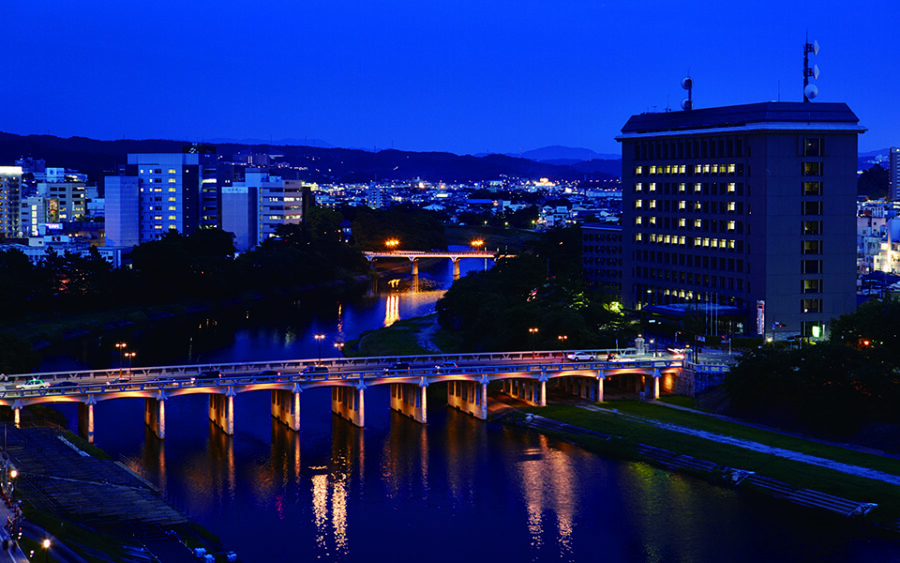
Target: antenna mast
{"type": "Point", "coordinates": [810, 91]}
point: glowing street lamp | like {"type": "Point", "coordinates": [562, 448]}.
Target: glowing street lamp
{"type": "Point", "coordinates": [533, 330]}
{"type": "Point", "coordinates": [477, 244]}
{"type": "Point", "coordinates": [46, 545]}
{"type": "Point", "coordinates": [392, 244]}
{"type": "Point", "coordinates": [319, 338]}
{"type": "Point", "coordinates": [121, 346]}
{"type": "Point", "coordinates": [562, 343]}
{"type": "Point", "coordinates": [130, 356]}
{"type": "Point", "coordinates": [340, 347]}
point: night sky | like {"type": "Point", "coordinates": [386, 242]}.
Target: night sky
{"type": "Point", "coordinates": [465, 76]}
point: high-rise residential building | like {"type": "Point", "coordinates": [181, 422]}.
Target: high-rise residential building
{"type": "Point", "coordinates": [745, 214]}
{"type": "Point", "coordinates": [177, 191]}
{"type": "Point", "coordinates": [253, 208]}
{"type": "Point", "coordinates": [10, 194]}
{"type": "Point", "coordinates": [894, 174]}
{"type": "Point", "coordinates": [121, 209]}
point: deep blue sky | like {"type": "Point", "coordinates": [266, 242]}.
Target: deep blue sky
{"type": "Point", "coordinates": [465, 76]}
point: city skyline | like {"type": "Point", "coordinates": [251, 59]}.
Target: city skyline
{"type": "Point", "coordinates": [469, 78]}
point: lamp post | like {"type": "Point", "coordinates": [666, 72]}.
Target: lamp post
{"type": "Point", "coordinates": [46, 545]}
{"type": "Point", "coordinates": [340, 347]}
{"type": "Point", "coordinates": [130, 356]}
{"type": "Point", "coordinates": [319, 338]}
{"type": "Point", "coordinates": [121, 346]}
{"type": "Point", "coordinates": [392, 244]}
{"type": "Point", "coordinates": [562, 343]}
{"type": "Point", "coordinates": [533, 331]}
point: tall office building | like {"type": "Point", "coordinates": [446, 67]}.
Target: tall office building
{"type": "Point", "coordinates": [894, 174]}
{"type": "Point", "coordinates": [10, 194]}
{"type": "Point", "coordinates": [745, 213]}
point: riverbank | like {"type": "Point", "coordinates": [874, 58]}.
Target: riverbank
{"type": "Point", "coordinates": [97, 507]}
{"type": "Point", "coordinates": [710, 448]}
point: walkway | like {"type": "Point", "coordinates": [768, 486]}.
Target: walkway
{"type": "Point", "coordinates": [758, 447]}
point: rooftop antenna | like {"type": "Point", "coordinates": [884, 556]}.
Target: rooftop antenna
{"type": "Point", "coordinates": [810, 91]}
{"type": "Point", "coordinates": [687, 83]}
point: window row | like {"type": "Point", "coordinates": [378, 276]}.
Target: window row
{"type": "Point", "coordinates": [691, 261]}
{"type": "Point", "coordinates": [709, 281]}
{"type": "Point", "coordinates": [723, 207]}
{"type": "Point", "coordinates": [726, 169]}
{"type": "Point", "coordinates": [703, 188]}
{"type": "Point", "coordinates": [706, 225]}
{"type": "Point", "coordinates": [707, 147]}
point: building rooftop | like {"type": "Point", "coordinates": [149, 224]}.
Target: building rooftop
{"type": "Point", "coordinates": [741, 115]}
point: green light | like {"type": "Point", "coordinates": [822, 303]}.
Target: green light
{"type": "Point", "coordinates": [816, 331]}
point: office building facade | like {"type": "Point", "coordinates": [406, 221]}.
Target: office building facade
{"type": "Point", "coordinates": [748, 211]}
{"type": "Point", "coordinates": [894, 174]}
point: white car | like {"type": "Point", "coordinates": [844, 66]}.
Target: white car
{"type": "Point", "coordinates": [33, 384]}
{"type": "Point", "coordinates": [581, 357]}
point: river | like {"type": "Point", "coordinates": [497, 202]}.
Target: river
{"type": "Point", "coordinates": [456, 489]}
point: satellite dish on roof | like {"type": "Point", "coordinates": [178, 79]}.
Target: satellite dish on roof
{"type": "Point", "coordinates": [687, 104]}
{"type": "Point", "coordinates": [810, 91]}
{"type": "Point", "coordinates": [687, 82]}
{"type": "Point", "coordinates": [815, 47]}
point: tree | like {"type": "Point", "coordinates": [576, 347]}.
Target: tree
{"type": "Point", "coordinates": [873, 183]}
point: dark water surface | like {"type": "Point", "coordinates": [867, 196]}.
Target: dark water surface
{"type": "Point", "coordinates": [456, 489]}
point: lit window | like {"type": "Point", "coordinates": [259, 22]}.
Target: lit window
{"type": "Point", "coordinates": [638, 170]}
{"type": "Point", "coordinates": [731, 187]}
{"type": "Point", "coordinates": [731, 206]}
{"type": "Point", "coordinates": [172, 208]}
{"type": "Point", "coordinates": [698, 241]}
{"type": "Point", "coordinates": [637, 237]}
{"type": "Point", "coordinates": [698, 187]}
{"type": "Point", "coordinates": [698, 206]}
{"type": "Point", "coordinates": [682, 222]}
{"type": "Point", "coordinates": [638, 203]}
{"type": "Point", "coordinates": [681, 168]}
{"type": "Point", "coordinates": [681, 239]}
{"type": "Point", "coordinates": [638, 220]}
{"type": "Point", "coordinates": [652, 220]}
{"type": "Point", "coordinates": [698, 223]}
{"type": "Point", "coordinates": [171, 171]}
{"type": "Point", "coordinates": [706, 168]}
{"type": "Point", "coordinates": [698, 169]}
{"type": "Point", "coordinates": [173, 199]}
{"type": "Point", "coordinates": [668, 239]}
{"type": "Point", "coordinates": [715, 168]}
{"type": "Point", "coordinates": [681, 187]}
{"type": "Point", "coordinates": [682, 205]}
{"type": "Point", "coordinates": [172, 218]}
{"type": "Point", "coordinates": [705, 242]}
{"type": "Point", "coordinates": [638, 186]}
{"type": "Point", "coordinates": [652, 170]}
{"type": "Point", "coordinates": [730, 225]}
{"type": "Point", "coordinates": [731, 243]}
{"type": "Point", "coordinates": [652, 204]}
{"type": "Point", "coordinates": [668, 169]}
{"type": "Point", "coordinates": [731, 168]}
{"type": "Point", "coordinates": [652, 186]}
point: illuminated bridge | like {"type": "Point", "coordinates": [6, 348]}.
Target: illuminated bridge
{"type": "Point", "coordinates": [523, 375]}
{"type": "Point", "coordinates": [414, 255]}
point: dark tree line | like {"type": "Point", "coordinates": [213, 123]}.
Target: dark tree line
{"type": "Point", "coordinates": [541, 288]}
{"type": "Point", "coordinates": [834, 388]}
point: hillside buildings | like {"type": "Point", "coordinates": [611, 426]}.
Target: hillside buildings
{"type": "Point", "coordinates": [745, 212]}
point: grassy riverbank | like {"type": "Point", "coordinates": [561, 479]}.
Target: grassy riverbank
{"type": "Point", "coordinates": [632, 424]}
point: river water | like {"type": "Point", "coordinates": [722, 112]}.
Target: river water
{"type": "Point", "coordinates": [456, 489]}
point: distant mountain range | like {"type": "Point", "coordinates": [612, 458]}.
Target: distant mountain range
{"type": "Point", "coordinates": [322, 164]}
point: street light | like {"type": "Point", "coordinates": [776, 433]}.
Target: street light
{"type": "Point", "coordinates": [46, 545]}
{"type": "Point", "coordinates": [340, 347]}
{"type": "Point", "coordinates": [477, 244]}
{"type": "Point", "coordinates": [130, 356]}
{"type": "Point", "coordinates": [121, 346]}
{"type": "Point", "coordinates": [319, 338]}
{"type": "Point", "coordinates": [392, 244]}
{"type": "Point", "coordinates": [533, 331]}
{"type": "Point", "coordinates": [562, 342]}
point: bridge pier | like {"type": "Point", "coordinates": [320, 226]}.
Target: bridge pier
{"type": "Point", "coordinates": [599, 388]}
{"type": "Point", "coordinates": [455, 267]}
{"type": "Point", "coordinates": [532, 392]}
{"type": "Point", "coordinates": [17, 412]}
{"type": "Point", "coordinates": [286, 407]}
{"type": "Point", "coordinates": [656, 376]}
{"type": "Point", "coordinates": [415, 266]}
{"type": "Point", "coordinates": [221, 410]}
{"type": "Point", "coordinates": [349, 403]}
{"type": "Point", "coordinates": [155, 415]}
{"type": "Point", "coordinates": [86, 419]}
{"type": "Point", "coordinates": [585, 387]}
{"type": "Point", "coordinates": [411, 399]}
{"type": "Point", "coordinates": [469, 397]}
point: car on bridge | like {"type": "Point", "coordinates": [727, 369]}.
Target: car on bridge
{"type": "Point", "coordinates": [309, 370]}
{"type": "Point", "coordinates": [582, 357]}
{"type": "Point", "coordinates": [210, 374]}
{"type": "Point", "coordinates": [32, 384]}
{"type": "Point", "coordinates": [398, 366]}
{"type": "Point", "coordinates": [446, 366]}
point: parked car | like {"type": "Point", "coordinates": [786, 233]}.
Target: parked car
{"type": "Point", "coordinates": [33, 384]}
{"type": "Point", "coordinates": [582, 357]}
{"type": "Point", "coordinates": [210, 374]}
{"type": "Point", "coordinates": [398, 366]}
